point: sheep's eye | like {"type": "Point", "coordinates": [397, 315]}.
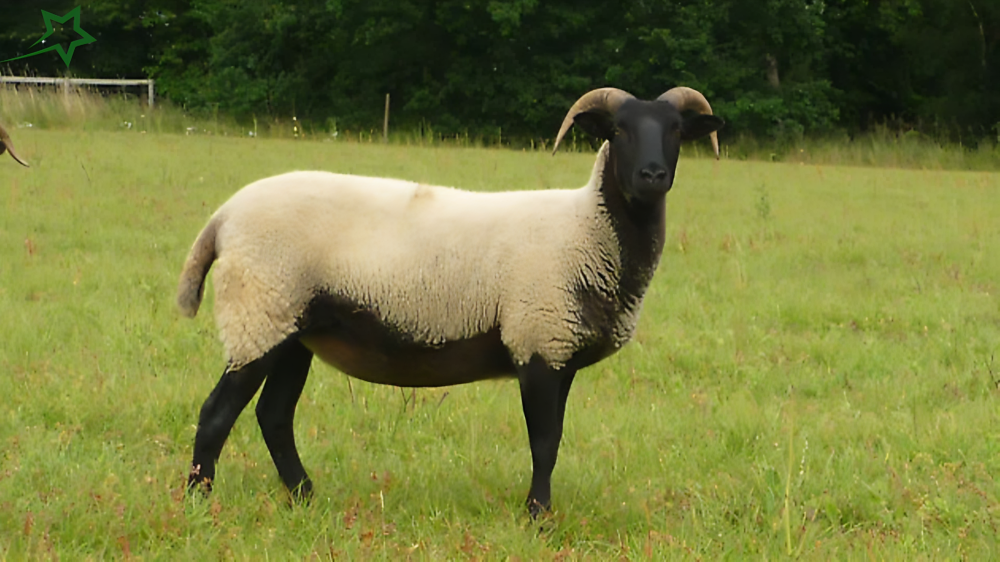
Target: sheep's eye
{"type": "Point", "coordinates": [619, 131]}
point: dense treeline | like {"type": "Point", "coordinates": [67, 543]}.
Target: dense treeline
{"type": "Point", "coordinates": [774, 69]}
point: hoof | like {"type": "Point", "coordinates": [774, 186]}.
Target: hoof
{"type": "Point", "coordinates": [198, 482]}
{"type": "Point", "coordinates": [536, 508]}
{"type": "Point", "coordinates": [303, 493]}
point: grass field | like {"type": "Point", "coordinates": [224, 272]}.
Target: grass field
{"type": "Point", "coordinates": [814, 375]}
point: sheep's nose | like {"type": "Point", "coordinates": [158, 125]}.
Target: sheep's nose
{"type": "Point", "coordinates": [653, 174]}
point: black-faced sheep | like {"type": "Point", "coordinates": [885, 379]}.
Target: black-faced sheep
{"type": "Point", "coordinates": [6, 144]}
{"type": "Point", "coordinates": [405, 284]}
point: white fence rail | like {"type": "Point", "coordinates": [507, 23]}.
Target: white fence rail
{"type": "Point", "coordinates": [66, 83]}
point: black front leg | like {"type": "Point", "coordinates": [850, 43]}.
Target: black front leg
{"type": "Point", "coordinates": [543, 396]}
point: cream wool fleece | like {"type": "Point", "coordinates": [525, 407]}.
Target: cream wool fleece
{"type": "Point", "coordinates": [436, 263]}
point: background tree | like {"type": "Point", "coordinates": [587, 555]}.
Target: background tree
{"type": "Point", "coordinates": [775, 69]}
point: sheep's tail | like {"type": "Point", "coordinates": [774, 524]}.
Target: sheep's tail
{"type": "Point", "coordinates": [199, 261]}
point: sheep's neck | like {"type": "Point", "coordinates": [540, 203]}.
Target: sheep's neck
{"type": "Point", "coordinates": [640, 228]}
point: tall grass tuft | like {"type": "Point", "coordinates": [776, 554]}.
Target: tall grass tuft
{"type": "Point", "coordinates": [86, 109]}
{"type": "Point", "coordinates": [91, 110]}
{"type": "Point", "coordinates": [882, 147]}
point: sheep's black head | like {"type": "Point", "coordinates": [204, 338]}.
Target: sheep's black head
{"type": "Point", "coordinates": [645, 136]}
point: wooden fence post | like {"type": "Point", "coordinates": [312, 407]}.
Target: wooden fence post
{"type": "Point", "coordinates": [385, 123]}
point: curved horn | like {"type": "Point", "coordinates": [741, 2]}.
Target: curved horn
{"type": "Point", "coordinates": [5, 144]}
{"type": "Point", "coordinates": [687, 99]}
{"type": "Point", "coordinates": [607, 99]}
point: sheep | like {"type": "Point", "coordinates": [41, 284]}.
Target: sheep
{"type": "Point", "coordinates": [6, 144]}
{"type": "Point", "coordinates": [407, 284]}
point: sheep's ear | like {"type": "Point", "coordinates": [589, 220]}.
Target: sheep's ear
{"type": "Point", "coordinates": [596, 123]}
{"type": "Point", "coordinates": [697, 126]}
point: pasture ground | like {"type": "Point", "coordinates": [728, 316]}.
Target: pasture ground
{"type": "Point", "coordinates": [814, 375]}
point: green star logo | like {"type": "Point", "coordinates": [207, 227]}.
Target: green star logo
{"type": "Point", "coordinates": [65, 54]}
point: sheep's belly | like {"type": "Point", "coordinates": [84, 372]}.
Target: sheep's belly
{"type": "Point", "coordinates": [409, 364]}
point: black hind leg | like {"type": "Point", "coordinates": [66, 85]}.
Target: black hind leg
{"type": "Point", "coordinates": [218, 414]}
{"type": "Point", "coordinates": [276, 411]}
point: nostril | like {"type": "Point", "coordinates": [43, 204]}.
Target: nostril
{"type": "Point", "coordinates": [653, 175]}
